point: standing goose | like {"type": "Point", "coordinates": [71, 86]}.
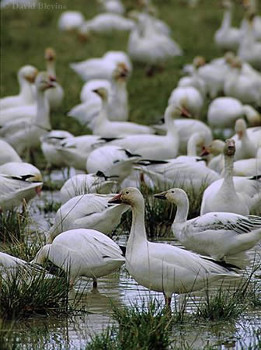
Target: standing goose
{"type": "Point", "coordinates": [245, 147]}
{"type": "Point", "coordinates": [26, 76]}
{"type": "Point", "coordinates": [25, 134]}
{"type": "Point", "coordinates": [82, 253]}
{"type": "Point", "coordinates": [215, 234]}
{"type": "Point", "coordinates": [231, 194]}
{"type": "Point", "coordinates": [103, 127]}
{"type": "Point", "coordinates": [163, 267]}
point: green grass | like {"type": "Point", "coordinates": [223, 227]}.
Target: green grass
{"type": "Point", "coordinates": [13, 225]}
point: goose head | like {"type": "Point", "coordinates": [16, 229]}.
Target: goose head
{"type": "Point", "coordinates": [235, 63]}
{"type": "Point", "coordinates": [121, 72]}
{"type": "Point", "coordinates": [43, 81]}
{"type": "Point", "coordinates": [28, 73]}
{"type": "Point", "coordinates": [229, 148]}
{"type": "Point", "coordinates": [252, 116]}
{"type": "Point", "coordinates": [229, 57]}
{"type": "Point", "coordinates": [50, 54]}
{"type": "Point", "coordinates": [240, 128]}
{"type": "Point", "coordinates": [128, 195]}
{"type": "Point", "coordinates": [102, 92]}
{"type": "Point", "coordinates": [173, 195]}
{"type": "Point", "coordinates": [215, 148]}
{"type": "Point", "coordinates": [199, 61]}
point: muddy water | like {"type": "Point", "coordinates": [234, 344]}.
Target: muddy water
{"type": "Point", "coordinates": [119, 288]}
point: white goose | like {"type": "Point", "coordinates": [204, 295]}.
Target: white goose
{"type": "Point", "coordinates": [112, 6]}
{"type": "Point", "coordinates": [155, 146]}
{"type": "Point", "coordinates": [18, 182]}
{"type": "Point", "coordinates": [82, 253]}
{"type": "Point", "coordinates": [86, 183]}
{"type": "Point", "coordinates": [70, 20]}
{"type": "Point", "coordinates": [117, 98]}
{"type": "Point", "coordinates": [248, 167]}
{"type": "Point", "coordinates": [227, 38]}
{"type": "Point", "coordinates": [113, 161]}
{"type": "Point", "coordinates": [163, 267]}
{"type": "Point", "coordinates": [101, 68]}
{"type": "Point", "coordinates": [215, 234]}
{"type": "Point", "coordinates": [90, 211]}
{"type": "Point", "coordinates": [188, 96]}
{"type": "Point", "coordinates": [231, 194]}
{"type": "Point", "coordinates": [26, 76]}
{"type": "Point", "coordinates": [103, 127]}
{"type": "Point", "coordinates": [245, 147]}
{"type": "Point", "coordinates": [23, 133]}
{"type": "Point", "coordinates": [56, 95]}
{"type": "Point", "coordinates": [8, 153]}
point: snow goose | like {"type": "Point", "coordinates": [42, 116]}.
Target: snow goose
{"type": "Point", "coordinates": [218, 235]}
{"type": "Point", "coordinates": [103, 127]}
{"type": "Point", "coordinates": [26, 76]}
{"type": "Point", "coordinates": [248, 167]}
{"type": "Point", "coordinates": [90, 211]}
{"type": "Point", "coordinates": [112, 6]}
{"type": "Point", "coordinates": [254, 134]}
{"type": "Point", "coordinates": [113, 161]}
{"type": "Point", "coordinates": [75, 150]}
{"type": "Point", "coordinates": [18, 182]}
{"type": "Point", "coordinates": [242, 85]}
{"type": "Point", "coordinates": [155, 146]}
{"type": "Point", "coordinates": [251, 7]}
{"type": "Point", "coordinates": [188, 96]}
{"type": "Point", "coordinates": [227, 38]}
{"type": "Point", "coordinates": [231, 194]}
{"type": "Point", "coordinates": [70, 20]}
{"type": "Point", "coordinates": [163, 267]}
{"type": "Point", "coordinates": [8, 154]}
{"type": "Point", "coordinates": [224, 111]}
{"type": "Point", "coordinates": [245, 147]}
{"type": "Point", "coordinates": [54, 96]}
{"type": "Point", "coordinates": [104, 23]}
{"type": "Point", "coordinates": [86, 183]}
{"type": "Point", "coordinates": [49, 144]}
{"type": "Point", "coordinates": [101, 68]}
{"type": "Point", "coordinates": [214, 152]}
{"type": "Point", "coordinates": [82, 253]}
{"type": "Point", "coordinates": [23, 133]}
{"type": "Point", "coordinates": [117, 98]}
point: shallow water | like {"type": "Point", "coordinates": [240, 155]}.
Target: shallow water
{"type": "Point", "coordinates": [119, 288]}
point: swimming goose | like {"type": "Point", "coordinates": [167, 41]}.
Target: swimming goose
{"type": "Point", "coordinates": [224, 111]}
{"type": "Point", "coordinates": [103, 127]}
{"type": "Point", "coordinates": [113, 161]}
{"type": "Point", "coordinates": [103, 67]}
{"type": "Point", "coordinates": [86, 183]}
{"type": "Point", "coordinates": [8, 153]}
{"type": "Point", "coordinates": [231, 194]}
{"type": "Point", "coordinates": [82, 253]}
{"type": "Point", "coordinates": [70, 20]}
{"type": "Point", "coordinates": [26, 76]}
{"type": "Point", "coordinates": [215, 234]}
{"type": "Point", "coordinates": [155, 146]}
{"type": "Point", "coordinates": [23, 133]}
{"type": "Point", "coordinates": [163, 267]}
{"type": "Point", "coordinates": [188, 96]}
{"type": "Point", "coordinates": [227, 38]}
{"type": "Point", "coordinates": [90, 211]}
{"type": "Point", "coordinates": [54, 96]}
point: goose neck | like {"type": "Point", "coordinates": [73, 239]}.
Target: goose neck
{"type": "Point", "coordinates": [226, 22]}
{"type": "Point", "coordinates": [228, 170]}
{"type": "Point", "coordinates": [50, 67]}
{"type": "Point", "coordinates": [42, 114]}
{"type": "Point", "coordinates": [170, 126]}
{"type": "Point", "coordinates": [182, 211]}
{"type": "Point", "coordinates": [103, 115]}
{"type": "Point", "coordinates": [26, 91]}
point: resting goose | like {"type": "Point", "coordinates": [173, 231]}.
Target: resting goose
{"type": "Point", "coordinates": [163, 267]}
{"type": "Point", "coordinates": [224, 111]}
{"type": "Point", "coordinates": [25, 134]}
{"type": "Point", "coordinates": [112, 6]}
{"type": "Point", "coordinates": [26, 76]}
{"type": "Point", "coordinates": [231, 194]}
{"type": "Point", "coordinates": [101, 68]}
{"type": "Point", "coordinates": [8, 153]}
{"type": "Point", "coordinates": [86, 183]}
{"type": "Point", "coordinates": [248, 167]}
{"type": "Point", "coordinates": [155, 146]}
{"type": "Point", "coordinates": [245, 147]}
{"type": "Point", "coordinates": [103, 127]}
{"type": "Point", "coordinates": [90, 211]}
{"type": "Point", "coordinates": [227, 38]}
{"type": "Point", "coordinates": [70, 20]}
{"type": "Point", "coordinates": [218, 235]}
{"type": "Point", "coordinates": [113, 161]}
{"type": "Point", "coordinates": [54, 96]}
{"type": "Point", "coordinates": [82, 253]}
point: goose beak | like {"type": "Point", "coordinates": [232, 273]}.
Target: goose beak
{"type": "Point", "coordinates": [205, 152]}
{"type": "Point", "coordinates": [116, 199]}
{"type": "Point", "coordinates": [185, 113]}
{"type": "Point", "coordinates": [161, 195]}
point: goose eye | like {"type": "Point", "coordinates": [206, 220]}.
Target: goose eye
{"type": "Point", "coordinates": [127, 192]}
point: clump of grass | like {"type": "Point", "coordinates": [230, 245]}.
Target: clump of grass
{"type": "Point", "coordinates": [50, 206]}
{"type": "Point", "coordinates": [12, 225]}
{"type": "Point", "coordinates": [25, 292]}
